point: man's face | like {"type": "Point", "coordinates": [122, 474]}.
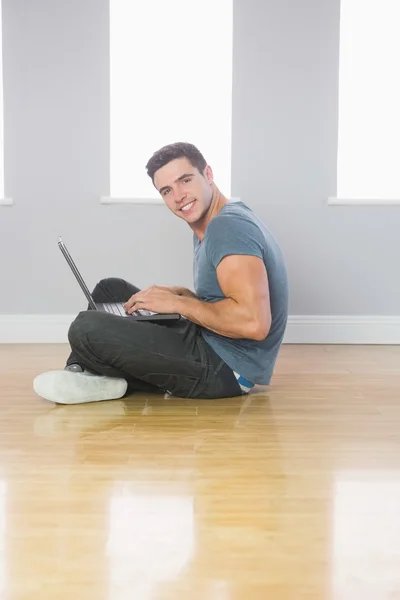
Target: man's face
{"type": "Point", "coordinates": [185, 191]}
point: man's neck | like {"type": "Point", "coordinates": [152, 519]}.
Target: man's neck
{"type": "Point", "coordinates": [218, 201]}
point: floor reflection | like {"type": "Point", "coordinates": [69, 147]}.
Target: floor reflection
{"type": "Point", "coordinates": [3, 524]}
{"type": "Point", "coordinates": [366, 535]}
{"type": "Point", "coordinates": [157, 498]}
{"type": "Point", "coordinates": [151, 539]}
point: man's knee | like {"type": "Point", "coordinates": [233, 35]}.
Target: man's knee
{"type": "Point", "coordinates": [85, 322]}
{"type": "Point", "coordinates": [111, 282]}
{"type": "Point", "coordinates": [106, 281]}
{"type": "Point", "coordinates": [111, 289]}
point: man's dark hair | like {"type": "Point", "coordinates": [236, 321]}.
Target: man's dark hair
{"type": "Point", "coordinates": [178, 150]}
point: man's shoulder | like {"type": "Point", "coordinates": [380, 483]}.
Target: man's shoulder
{"type": "Point", "coordinates": [233, 210]}
{"type": "Point", "coordinates": [233, 217]}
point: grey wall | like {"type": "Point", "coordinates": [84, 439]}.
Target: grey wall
{"type": "Point", "coordinates": [341, 260]}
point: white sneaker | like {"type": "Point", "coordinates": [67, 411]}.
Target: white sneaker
{"type": "Point", "coordinates": [67, 387]}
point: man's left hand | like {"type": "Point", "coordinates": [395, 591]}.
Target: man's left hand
{"type": "Point", "coordinates": [154, 299]}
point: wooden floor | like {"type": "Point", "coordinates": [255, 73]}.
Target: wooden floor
{"type": "Point", "coordinates": [292, 493]}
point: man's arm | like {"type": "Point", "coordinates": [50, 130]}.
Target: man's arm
{"type": "Point", "coordinates": [179, 291]}
{"type": "Point", "coordinates": [245, 312]}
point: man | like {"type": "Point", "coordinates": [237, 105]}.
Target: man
{"type": "Point", "coordinates": [233, 326]}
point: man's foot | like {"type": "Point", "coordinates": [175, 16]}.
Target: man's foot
{"type": "Point", "coordinates": [66, 387]}
{"type": "Point", "coordinates": [75, 368]}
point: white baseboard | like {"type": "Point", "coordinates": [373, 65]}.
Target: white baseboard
{"type": "Point", "coordinates": [301, 329]}
{"type": "Point", "coordinates": [338, 329]}
{"type": "Point", "coordinates": [35, 329]}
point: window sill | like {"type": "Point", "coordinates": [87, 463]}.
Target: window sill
{"type": "Point", "coordinates": [363, 201]}
{"type": "Point", "coordinates": [6, 202]}
{"type": "Point", "coordinates": [144, 201]}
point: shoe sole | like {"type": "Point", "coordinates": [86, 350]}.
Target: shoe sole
{"type": "Point", "coordinates": [67, 387]}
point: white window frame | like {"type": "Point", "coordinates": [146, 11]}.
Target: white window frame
{"type": "Point", "coordinates": [131, 199]}
{"type": "Point", "coordinates": [347, 61]}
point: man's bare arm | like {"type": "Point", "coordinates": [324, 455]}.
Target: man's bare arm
{"type": "Point", "coordinates": [179, 291]}
{"type": "Point", "coordinates": [245, 312]}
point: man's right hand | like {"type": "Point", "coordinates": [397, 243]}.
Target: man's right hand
{"type": "Point", "coordinates": [150, 295]}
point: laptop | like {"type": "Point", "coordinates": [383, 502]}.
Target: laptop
{"type": "Point", "coordinates": [114, 308]}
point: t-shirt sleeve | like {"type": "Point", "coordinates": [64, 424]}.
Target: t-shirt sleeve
{"type": "Point", "coordinates": [233, 235]}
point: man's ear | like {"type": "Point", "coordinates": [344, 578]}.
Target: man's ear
{"type": "Point", "coordinates": [208, 174]}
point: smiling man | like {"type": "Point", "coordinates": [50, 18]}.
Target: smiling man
{"type": "Point", "coordinates": [233, 324]}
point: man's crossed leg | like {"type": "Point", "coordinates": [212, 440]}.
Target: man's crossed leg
{"type": "Point", "coordinates": [112, 356]}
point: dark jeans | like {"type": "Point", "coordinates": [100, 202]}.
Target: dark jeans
{"type": "Point", "coordinates": [167, 356]}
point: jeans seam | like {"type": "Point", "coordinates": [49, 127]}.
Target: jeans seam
{"type": "Point", "coordinates": [217, 370]}
{"type": "Point", "coordinates": [196, 382]}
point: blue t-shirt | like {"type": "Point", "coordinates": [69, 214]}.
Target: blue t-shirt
{"type": "Point", "coordinates": [237, 230]}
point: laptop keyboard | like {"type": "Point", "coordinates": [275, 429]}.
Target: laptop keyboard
{"type": "Point", "coordinates": [118, 309]}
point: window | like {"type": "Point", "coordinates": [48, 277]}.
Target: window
{"type": "Point", "coordinates": [369, 100]}
{"type": "Point", "coordinates": [171, 80]}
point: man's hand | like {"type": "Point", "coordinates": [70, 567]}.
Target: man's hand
{"type": "Point", "coordinates": [155, 299]}
{"type": "Point", "coordinates": [179, 291]}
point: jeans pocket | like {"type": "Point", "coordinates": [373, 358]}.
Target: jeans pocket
{"type": "Point", "coordinates": [223, 383]}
